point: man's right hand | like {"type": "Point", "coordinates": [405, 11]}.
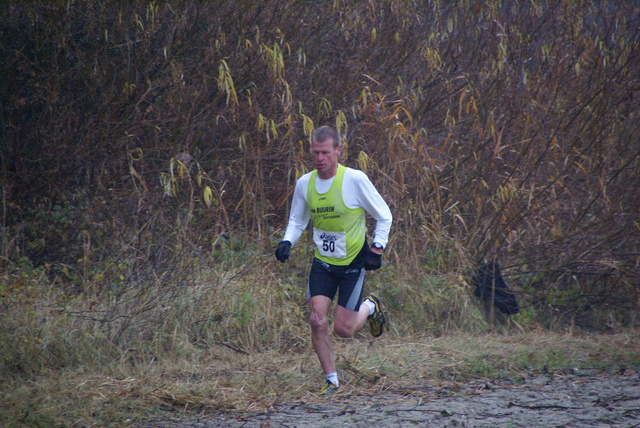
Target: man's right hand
{"type": "Point", "coordinates": [282, 252]}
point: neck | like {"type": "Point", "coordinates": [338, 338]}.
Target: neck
{"type": "Point", "coordinates": [325, 175]}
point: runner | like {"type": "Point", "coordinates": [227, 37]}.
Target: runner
{"type": "Point", "coordinates": [336, 198]}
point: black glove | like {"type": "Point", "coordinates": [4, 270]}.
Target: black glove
{"type": "Point", "coordinates": [372, 261]}
{"type": "Point", "coordinates": [282, 252]}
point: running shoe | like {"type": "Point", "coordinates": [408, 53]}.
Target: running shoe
{"type": "Point", "coordinates": [376, 319]}
{"type": "Point", "coordinates": [328, 388]}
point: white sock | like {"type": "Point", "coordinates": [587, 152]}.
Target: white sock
{"type": "Point", "coordinates": [333, 378]}
{"type": "Point", "coordinates": [371, 305]}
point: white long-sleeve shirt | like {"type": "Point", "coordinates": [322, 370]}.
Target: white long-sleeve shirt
{"type": "Point", "coordinates": [357, 192]}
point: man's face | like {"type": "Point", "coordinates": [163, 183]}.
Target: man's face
{"type": "Point", "coordinates": [325, 158]}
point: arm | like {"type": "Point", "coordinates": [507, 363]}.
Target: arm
{"type": "Point", "coordinates": [367, 196]}
{"type": "Point", "coordinates": [300, 214]}
{"type": "Point", "coordinates": [298, 220]}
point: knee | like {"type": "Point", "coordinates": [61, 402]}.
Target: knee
{"type": "Point", "coordinates": [318, 323]}
{"type": "Point", "coordinates": [343, 330]}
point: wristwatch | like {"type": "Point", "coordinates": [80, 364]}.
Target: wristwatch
{"type": "Point", "coordinates": [377, 246]}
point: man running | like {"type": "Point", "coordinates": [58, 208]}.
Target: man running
{"type": "Point", "coordinates": [336, 198]}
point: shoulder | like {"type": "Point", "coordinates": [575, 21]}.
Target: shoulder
{"type": "Point", "coordinates": [303, 182]}
{"type": "Point", "coordinates": [304, 178]}
{"type": "Point", "coordinates": [356, 175]}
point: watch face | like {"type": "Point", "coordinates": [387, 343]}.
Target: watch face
{"type": "Point", "coordinates": [377, 246]}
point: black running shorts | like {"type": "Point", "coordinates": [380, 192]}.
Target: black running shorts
{"type": "Point", "coordinates": [347, 281]}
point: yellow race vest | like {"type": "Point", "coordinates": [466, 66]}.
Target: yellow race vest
{"type": "Point", "coordinates": [339, 232]}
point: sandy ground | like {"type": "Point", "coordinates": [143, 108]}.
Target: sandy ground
{"type": "Point", "coordinates": [569, 400]}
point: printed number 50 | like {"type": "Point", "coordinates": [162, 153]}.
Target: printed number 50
{"type": "Point", "coordinates": [329, 246]}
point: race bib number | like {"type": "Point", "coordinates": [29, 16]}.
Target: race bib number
{"type": "Point", "coordinates": [331, 244]}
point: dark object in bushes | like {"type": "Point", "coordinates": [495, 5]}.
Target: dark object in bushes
{"type": "Point", "coordinates": [488, 282]}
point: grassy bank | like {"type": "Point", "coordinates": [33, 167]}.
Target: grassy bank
{"type": "Point", "coordinates": [238, 340]}
{"type": "Point", "coordinates": [205, 381]}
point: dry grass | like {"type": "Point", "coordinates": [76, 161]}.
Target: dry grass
{"type": "Point", "coordinates": [237, 340]}
{"type": "Point", "coordinates": [220, 379]}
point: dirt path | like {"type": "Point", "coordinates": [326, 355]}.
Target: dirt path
{"type": "Point", "coordinates": [543, 401]}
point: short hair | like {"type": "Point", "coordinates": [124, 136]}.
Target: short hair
{"type": "Point", "coordinates": [323, 133]}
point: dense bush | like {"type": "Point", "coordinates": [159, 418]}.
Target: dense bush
{"type": "Point", "coordinates": [149, 146]}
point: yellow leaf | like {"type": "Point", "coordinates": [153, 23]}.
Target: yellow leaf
{"type": "Point", "coordinates": [307, 125]}
{"type": "Point", "coordinates": [363, 161]}
{"type": "Point", "coordinates": [208, 196]}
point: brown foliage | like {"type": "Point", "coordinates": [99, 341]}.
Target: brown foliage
{"type": "Point", "coordinates": [502, 130]}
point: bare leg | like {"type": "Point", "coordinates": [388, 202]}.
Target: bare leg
{"type": "Point", "coordinates": [322, 344]}
{"type": "Point", "coordinates": [347, 322]}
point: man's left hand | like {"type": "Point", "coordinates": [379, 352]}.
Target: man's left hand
{"type": "Point", "coordinates": [373, 260]}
